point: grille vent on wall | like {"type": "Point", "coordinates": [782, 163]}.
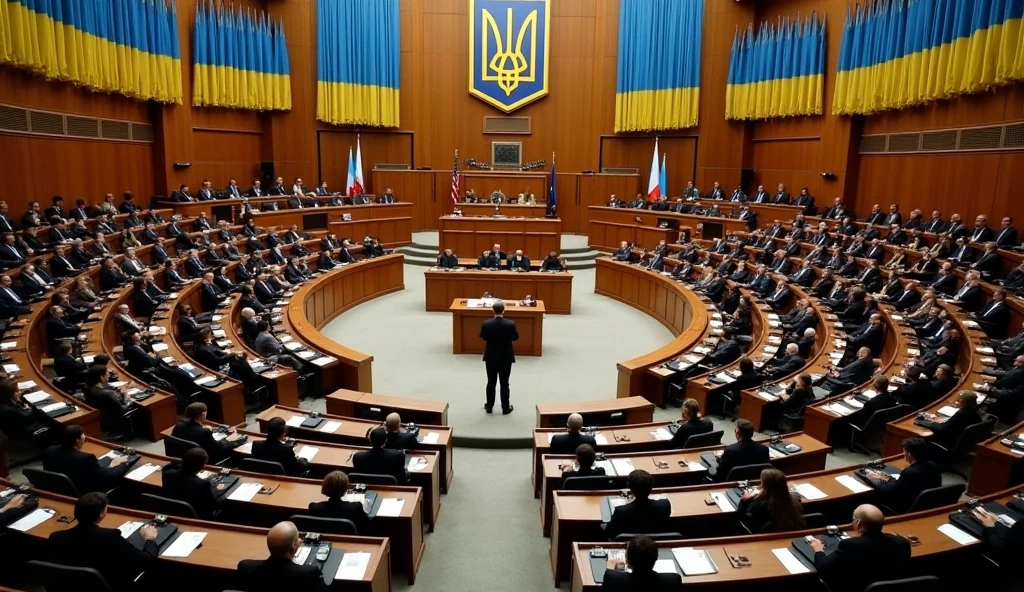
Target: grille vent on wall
{"type": "Point", "coordinates": [387, 166]}
{"type": "Point", "coordinates": [1009, 136]}
{"type": "Point", "coordinates": [19, 120]}
{"type": "Point", "coordinates": [620, 170]}
{"type": "Point", "coordinates": [506, 125]}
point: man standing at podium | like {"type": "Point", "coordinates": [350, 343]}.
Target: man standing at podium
{"type": "Point", "coordinates": [498, 334]}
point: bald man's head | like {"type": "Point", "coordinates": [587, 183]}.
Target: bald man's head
{"type": "Point", "coordinates": [868, 518]}
{"type": "Point", "coordinates": [393, 422]}
{"type": "Point", "coordinates": [575, 422]}
{"type": "Point", "coordinates": [283, 540]}
{"type": "Point", "coordinates": [792, 349]}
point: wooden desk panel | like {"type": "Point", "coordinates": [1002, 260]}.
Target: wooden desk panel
{"type": "Point", "coordinates": [996, 466]}
{"type": "Point", "coordinates": [466, 323]}
{"type": "Point", "coordinates": [224, 546]}
{"type": "Point", "coordinates": [376, 407]}
{"type": "Point", "coordinates": [392, 232]}
{"type": "Point", "coordinates": [316, 218]}
{"type": "Point", "coordinates": [536, 237]}
{"type": "Point", "coordinates": [627, 410]}
{"type": "Point", "coordinates": [510, 210]}
{"type": "Point", "coordinates": [609, 226]}
{"type": "Point", "coordinates": [554, 289]}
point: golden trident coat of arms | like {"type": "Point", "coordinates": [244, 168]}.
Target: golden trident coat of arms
{"type": "Point", "coordinates": [508, 51]}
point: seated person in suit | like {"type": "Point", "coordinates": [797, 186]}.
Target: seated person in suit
{"type": "Point", "coordinates": [899, 494]}
{"type": "Point", "coordinates": [335, 486]}
{"type": "Point", "coordinates": [1003, 544]}
{"type": "Point", "coordinates": [279, 571]}
{"type": "Point", "coordinates": [552, 263]}
{"type": "Point", "coordinates": [183, 483]}
{"type": "Point", "coordinates": [945, 433]}
{"type": "Point", "coordinates": [249, 325]}
{"type": "Point", "coordinates": [397, 438]}
{"type": "Point", "coordinates": [14, 508]}
{"type": "Point", "coordinates": [776, 368]}
{"type": "Point", "coordinates": [275, 448]}
{"type": "Point", "coordinates": [378, 460]}
{"type": "Point", "coordinates": [623, 253]}
{"type": "Point", "coordinates": [867, 557]}
{"type": "Point", "coordinates": [87, 544]}
{"type": "Point", "coordinates": [641, 555]}
{"type": "Point", "coordinates": [840, 380]}
{"type": "Point", "coordinates": [692, 424]}
{"type": "Point", "coordinates": [57, 327]}
{"type": "Point", "coordinates": [18, 419]}
{"type": "Point", "coordinates": [772, 509]}
{"type": "Point", "coordinates": [82, 468]}
{"type": "Point", "coordinates": [584, 465]}
{"type": "Point", "coordinates": [744, 452]}
{"type": "Point", "coordinates": [642, 515]}
{"type": "Point", "coordinates": [270, 347]}
{"type": "Point", "coordinates": [726, 351]}
{"type": "Point", "coordinates": [519, 262]}
{"type": "Point", "coordinates": [447, 260]}
{"type": "Point", "coordinates": [208, 353]}
{"type": "Point", "coordinates": [568, 442]}
{"type": "Point", "coordinates": [192, 429]}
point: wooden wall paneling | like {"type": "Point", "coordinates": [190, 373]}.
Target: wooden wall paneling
{"type": "Point", "coordinates": [568, 207]}
{"type": "Point", "coordinates": [221, 155]}
{"type": "Point", "coordinates": [173, 123]}
{"type": "Point", "coordinates": [1003, 104]}
{"type": "Point", "coordinates": [416, 187]}
{"type": "Point", "coordinates": [1006, 199]}
{"type": "Point", "coordinates": [636, 151]}
{"type": "Point", "coordinates": [18, 87]}
{"type": "Point", "coordinates": [596, 189]}
{"type": "Point", "coordinates": [386, 147]}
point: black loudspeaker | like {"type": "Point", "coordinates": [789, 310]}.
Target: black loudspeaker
{"type": "Point", "coordinates": [267, 173]}
{"type": "Point", "coordinates": [746, 178]}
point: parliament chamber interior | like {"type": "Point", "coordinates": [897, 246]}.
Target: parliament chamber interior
{"type": "Point", "coordinates": [701, 294]}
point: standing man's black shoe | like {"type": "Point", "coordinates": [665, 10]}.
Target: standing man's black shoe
{"type": "Point", "coordinates": [488, 408]}
{"type": "Point", "coordinates": [507, 410]}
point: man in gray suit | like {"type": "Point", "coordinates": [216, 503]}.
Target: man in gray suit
{"type": "Point", "coordinates": [271, 348]}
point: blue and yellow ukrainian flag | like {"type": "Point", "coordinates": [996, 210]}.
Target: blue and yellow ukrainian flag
{"type": "Point", "coordinates": [901, 53]}
{"type": "Point", "coordinates": [240, 60]}
{"type": "Point", "coordinates": [778, 73]}
{"type": "Point", "coordinates": [358, 62]}
{"type": "Point", "coordinates": [658, 80]}
{"type": "Point", "coordinates": [128, 47]}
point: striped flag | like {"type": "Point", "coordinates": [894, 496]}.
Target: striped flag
{"type": "Point", "coordinates": [359, 184]}
{"type": "Point", "coordinates": [455, 179]}
{"type": "Point", "coordinates": [350, 180]}
{"type": "Point", "coordinates": [654, 181]}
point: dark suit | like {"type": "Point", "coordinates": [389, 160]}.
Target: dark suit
{"type": "Point", "coordinates": [515, 264]}
{"type": "Point", "coordinates": [103, 549]}
{"type": "Point", "coordinates": [191, 489]}
{"type": "Point", "coordinates": [279, 452]}
{"type": "Point", "coordinates": [82, 468]}
{"type": "Point", "coordinates": [1006, 237]}
{"type": "Point", "coordinates": [899, 494]}
{"type": "Point", "coordinates": [336, 508]}
{"type": "Point", "coordinates": [620, 581]}
{"type": "Point", "coordinates": [381, 461]}
{"type": "Point", "coordinates": [642, 516]}
{"type": "Point", "coordinates": [277, 573]}
{"type": "Point", "coordinates": [860, 561]}
{"type": "Point", "coordinates": [499, 333]}
{"type": "Point", "coordinates": [947, 432]}
{"type": "Point", "coordinates": [691, 428]}
{"type": "Point", "coordinates": [193, 431]}
{"type": "Point", "coordinates": [568, 443]}
{"type": "Point", "coordinates": [744, 452]}
{"type": "Point", "coordinates": [400, 441]}
{"type": "Point", "coordinates": [787, 366]}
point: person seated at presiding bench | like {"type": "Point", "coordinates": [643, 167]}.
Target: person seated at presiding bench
{"type": "Point", "coordinates": [692, 424]}
{"type": "Point", "coordinates": [519, 262]}
{"type": "Point", "coordinates": [641, 555]}
{"type": "Point", "coordinates": [192, 429]}
{"type": "Point", "coordinates": [553, 263]}
{"type": "Point", "coordinates": [183, 483]}
{"type": "Point", "coordinates": [378, 460]}
{"type": "Point", "coordinates": [642, 515]}
{"type": "Point", "coordinates": [447, 260]}
{"type": "Point", "coordinates": [82, 468]}
{"type": "Point", "coordinates": [279, 571]}
{"type": "Point", "coordinates": [275, 448]}
{"type": "Point", "coordinates": [744, 452]}
{"type": "Point", "coordinates": [584, 466]}
{"type": "Point", "coordinates": [861, 560]}
{"type": "Point", "coordinates": [334, 487]}
{"type": "Point", "coordinates": [567, 443]}
{"type": "Point", "coordinates": [899, 494]}
{"type": "Point", "coordinates": [772, 509]}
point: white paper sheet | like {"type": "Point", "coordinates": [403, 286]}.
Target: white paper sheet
{"type": "Point", "coordinates": [32, 519]}
{"type": "Point", "coordinates": [600, 438]}
{"type": "Point", "coordinates": [767, 396]}
{"type": "Point", "coordinates": [353, 566]}
{"type": "Point", "coordinates": [434, 437]}
{"type": "Point", "coordinates": [948, 411]}
{"type": "Point", "coordinates": [26, 385]}
{"type": "Point", "coordinates": [810, 492]}
{"type": "Point", "coordinates": [695, 466]}
{"type": "Point", "coordinates": [128, 528]}
{"type": "Point", "coordinates": [159, 347]}
{"type": "Point", "coordinates": [184, 544]}
{"type": "Point", "coordinates": [36, 397]}
{"type": "Point", "coordinates": [661, 434]}
{"type": "Point", "coordinates": [957, 535]}
{"type": "Point", "coordinates": [11, 368]}
{"type": "Point", "coordinates": [853, 484]}
{"type": "Point", "coordinates": [307, 452]}
{"type": "Point", "coordinates": [307, 354]}
{"type": "Point", "coordinates": [6, 345]}
{"type": "Point", "coordinates": [665, 566]}
{"type": "Point", "coordinates": [390, 507]}
{"type": "Point", "coordinates": [418, 464]}
{"type": "Point", "coordinates": [722, 501]}
{"type": "Point", "coordinates": [51, 407]}
{"type": "Point", "coordinates": [140, 473]}
{"type": "Point", "coordinates": [330, 427]}
{"type": "Point", "coordinates": [245, 448]}
{"type": "Point", "coordinates": [790, 562]}
{"type": "Point", "coordinates": [245, 492]}
{"type": "Point", "coordinates": [296, 420]}
{"type": "Point", "coordinates": [324, 360]}
{"type": "Point", "coordinates": [623, 466]}
{"type": "Point", "coordinates": [694, 562]}
{"type": "Point", "coordinates": [609, 469]}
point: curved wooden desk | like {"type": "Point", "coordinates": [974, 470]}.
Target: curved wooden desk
{"type": "Point", "coordinates": [996, 466]}
{"type": "Point", "coordinates": [318, 301]}
{"type": "Point", "coordinates": [376, 407]}
{"type": "Point", "coordinates": [679, 309]}
{"type": "Point", "coordinates": [596, 413]}
{"type": "Point", "coordinates": [215, 562]}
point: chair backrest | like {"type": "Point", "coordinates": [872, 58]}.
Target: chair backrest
{"type": "Point", "coordinates": [177, 447]}
{"type": "Point", "coordinates": [656, 536]}
{"type": "Point", "coordinates": [704, 440]}
{"type": "Point", "coordinates": [815, 520]}
{"type": "Point", "coordinates": [881, 417]}
{"type": "Point", "coordinates": [973, 435]}
{"type": "Point", "coordinates": [371, 479]}
{"type": "Point", "coordinates": [324, 525]}
{"type": "Point", "coordinates": [54, 576]}
{"type": "Point", "coordinates": [268, 467]}
{"type": "Point", "coordinates": [747, 472]}
{"type": "Point", "coordinates": [919, 584]}
{"type": "Point", "coordinates": [167, 506]}
{"type": "Point", "coordinates": [590, 483]}
{"type": "Point", "coordinates": [58, 483]}
{"type": "Point", "coordinates": [937, 497]}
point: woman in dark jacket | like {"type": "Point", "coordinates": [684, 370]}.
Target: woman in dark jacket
{"type": "Point", "coordinates": [18, 419]}
{"type": "Point", "coordinates": [772, 509]}
{"type": "Point", "coordinates": [793, 403]}
{"type": "Point", "coordinates": [692, 424]}
{"type": "Point", "coordinates": [335, 486]}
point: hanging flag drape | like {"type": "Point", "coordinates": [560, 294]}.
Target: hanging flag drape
{"type": "Point", "coordinates": [654, 181]}
{"type": "Point", "coordinates": [663, 176]}
{"type": "Point", "coordinates": [358, 184]}
{"type": "Point", "coordinates": [358, 62]}
{"type": "Point", "coordinates": [552, 198]}
{"type": "Point", "coordinates": [900, 53]}
{"type": "Point", "coordinates": [780, 72]}
{"type": "Point", "coordinates": [658, 78]}
{"type": "Point", "coordinates": [129, 47]}
{"type": "Point", "coordinates": [455, 179]}
{"type": "Point", "coordinates": [239, 60]}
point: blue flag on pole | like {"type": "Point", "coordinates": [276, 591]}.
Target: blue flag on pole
{"type": "Point", "coordinates": [551, 188]}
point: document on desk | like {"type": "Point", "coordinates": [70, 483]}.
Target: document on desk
{"type": "Point", "coordinates": [694, 562]}
{"type": "Point", "coordinates": [948, 411]}
{"type": "Point", "coordinates": [353, 566]}
{"type": "Point", "coordinates": [245, 448]}
{"type": "Point", "coordinates": [435, 437]}
{"type": "Point", "coordinates": [790, 562]}
{"type": "Point", "coordinates": [391, 507]}
{"type": "Point", "coordinates": [33, 519]}
{"type": "Point", "coordinates": [128, 528]}
{"type": "Point", "coordinates": [623, 466]}
{"type": "Point", "coordinates": [695, 466]}
{"type": "Point", "coordinates": [600, 438]}
{"type": "Point", "coordinates": [665, 566]}
{"type": "Point", "coordinates": [26, 385]}
{"type": "Point", "coordinates": [853, 484]}
{"type": "Point", "coordinates": [245, 492]}
{"type": "Point", "coordinates": [307, 452]}
{"type": "Point", "coordinates": [809, 491]}
{"type": "Point", "coordinates": [296, 420]}
{"type": "Point", "coordinates": [184, 544]}
{"type": "Point", "coordinates": [417, 464]}
{"type": "Point", "coordinates": [957, 535]}
{"type": "Point", "coordinates": [159, 347]}
{"type": "Point", "coordinates": [11, 368]}
{"type": "Point", "coordinates": [6, 345]}
{"type": "Point", "coordinates": [330, 427]}
{"type": "Point", "coordinates": [324, 360]}
{"type": "Point", "coordinates": [661, 434]}
{"type": "Point", "coordinates": [141, 473]}
{"type": "Point", "coordinates": [36, 397]}
{"type": "Point", "coordinates": [609, 468]}
{"type": "Point", "coordinates": [767, 396]}
{"type": "Point", "coordinates": [722, 501]}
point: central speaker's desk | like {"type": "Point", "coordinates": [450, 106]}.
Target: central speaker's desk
{"type": "Point", "coordinates": [471, 236]}
{"type": "Point", "coordinates": [555, 289]}
{"type": "Point", "coordinates": [466, 322]}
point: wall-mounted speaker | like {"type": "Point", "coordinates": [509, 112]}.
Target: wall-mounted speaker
{"type": "Point", "coordinates": [267, 173]}
{"type": "Point", "coordinates": [746, 178]}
